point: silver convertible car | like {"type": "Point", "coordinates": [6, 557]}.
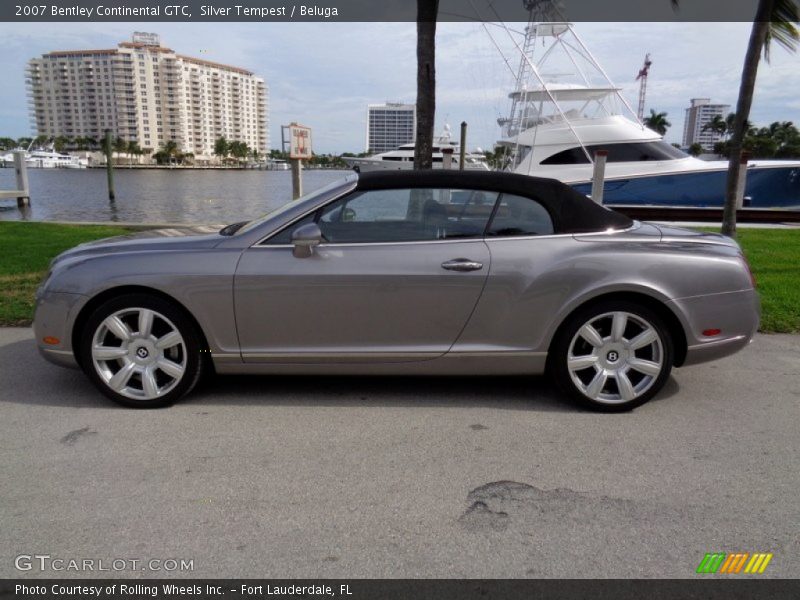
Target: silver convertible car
{"type": "Point", "coordinates": [434, 273]}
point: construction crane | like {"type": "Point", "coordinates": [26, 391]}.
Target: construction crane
{"type": "Point", "coordinates": [642, 79]}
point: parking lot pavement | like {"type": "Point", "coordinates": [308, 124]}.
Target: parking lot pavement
{"type": "Point", "coordinates": [370, 477]}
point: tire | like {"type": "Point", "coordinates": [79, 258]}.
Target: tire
{"type": "Point", "coordinates": [612, 356]}
{"type": "Point", "coordinates": [158, 363]}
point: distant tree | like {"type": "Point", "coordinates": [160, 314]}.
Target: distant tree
{"type": "Point", "coordinates": [696, 149]}
{"type": "Point", "coordinates": [168, 153]}
{"type": "Point", "coordinates": [7, 143]}
{"type": "Point", "coordinates": [133, 149]}
{"type": "Point", "coordinates": [24, 142]}
{"type": "Point", "coordinates": [716, 125]}
{"type": "Point", "coordinates": [238, 150]}
{"type": "Point", "coordinates": [119, 146]}
{"type": "Point", "coordinates": [221, 147]}
{"type": "Point", "coordinates": [657, 122]}
{"type": "Point", "coordinates": [60, 142]}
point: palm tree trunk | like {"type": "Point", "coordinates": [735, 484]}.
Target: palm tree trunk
{"type": "Point", "coordinates": [426, 82]}
{"type": "Point", "coordinates": [758, 36]}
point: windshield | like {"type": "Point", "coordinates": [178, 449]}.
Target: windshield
{"type": "Point", "coordinates": [291, 204]}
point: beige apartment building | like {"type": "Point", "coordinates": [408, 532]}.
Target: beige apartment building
{"type": "Point", "coordinates": [147, 93]}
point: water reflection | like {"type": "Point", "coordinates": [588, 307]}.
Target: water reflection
{"type": "Point", "coordinates": [173, 196]}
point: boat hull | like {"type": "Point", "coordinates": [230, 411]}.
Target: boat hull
{"type": "Point", "coordinates": [364, 165]}
{"type": "Point", "coordinates": [766, 187]}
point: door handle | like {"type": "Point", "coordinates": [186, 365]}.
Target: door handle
{"type": "Point", "coordinates": [462, 264]}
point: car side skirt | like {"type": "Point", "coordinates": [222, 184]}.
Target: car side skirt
{"type": "Point", "coordinates": [454, 363]}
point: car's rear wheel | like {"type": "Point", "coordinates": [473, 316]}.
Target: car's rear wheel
{"type": "Point", "coordinates": [141, 351]}
{"type": "Point", "coordinates": [612, 356]}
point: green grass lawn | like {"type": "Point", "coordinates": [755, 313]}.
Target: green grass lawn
{"type": "Point", "coordinates": [27, 248]}
{"type": "Point", "coordinates": [774, 257]}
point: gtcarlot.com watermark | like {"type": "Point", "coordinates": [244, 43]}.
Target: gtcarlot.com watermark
{"type": "Point", "coordinates": [46, 562]}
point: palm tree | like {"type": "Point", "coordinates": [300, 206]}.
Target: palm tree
{"type": "Point", "coordinates": [238, 150]}
{"type": "Point", "coordinates": [716, 125]}
{"type": "Point", "coordinates": [170, 150]}
{"type": "Point", "coordinates": [221, 148]}
{"type": "Point", "coordinates": [657, 122]}
{"type": "Point", "coordinates": [774, 20]}
{"type": "Point", "coordinates": [133, 149]}
{"type": "Point", "coordinates": [120, 146]}
{"type": "Point", "coordinates": [61, 142]}
{"type": "Point", "coordinates": [427, 11]}
{"type": "Point", "coordinates": [695, 149]}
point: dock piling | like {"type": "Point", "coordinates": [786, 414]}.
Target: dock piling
{"type": "Point", "coordinates": [21, 170]}
{"type": "Point", "coordinates": [297, 178]}
{"type": "Point", "coordinates": [109, 165]}
{"type": "Point", "coordinates": [463, 151]}
{"type": "Point", "coordinates": [740, 186]}
{"type": "Point", "coordinates": [599, 174]}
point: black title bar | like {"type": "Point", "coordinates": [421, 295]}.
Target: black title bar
{"type": "Point", "coordinates": [706, 587]}
{"type": "Point", "coordinates": [374, 10]}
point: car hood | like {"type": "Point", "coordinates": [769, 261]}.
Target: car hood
{"type": "Point", "coordinates": [155, 240]}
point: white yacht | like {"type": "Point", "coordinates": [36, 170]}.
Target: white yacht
{"type": "Point", "coordinates": [564, 108]}
{"type": "Point", "coordinates": [403, 157]}
{"type": "Point", "coordinates": [7, 159]}
{"type": "Point", "coordinates": [45, 158]}
{"type": "Point", "coordinates": [50, 159]}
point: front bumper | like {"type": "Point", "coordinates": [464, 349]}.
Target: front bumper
{"type": "Point", "coordinates": [735, 314]}
{"type": "Point", "coordinates": [54, 319]}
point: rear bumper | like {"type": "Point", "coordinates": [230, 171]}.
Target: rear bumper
{"type": "Point", "coordinates": [735, 314]}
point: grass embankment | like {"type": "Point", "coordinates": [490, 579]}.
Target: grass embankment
{"type": "Point", "coordinates": [27, 248]}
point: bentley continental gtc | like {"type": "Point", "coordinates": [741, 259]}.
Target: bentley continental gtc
{"type": "Point", "coordinates": [424, 273]}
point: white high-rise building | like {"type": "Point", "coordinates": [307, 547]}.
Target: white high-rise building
{"type": "Point", "coordinates": [147, 93]}
{"type": "Point", "coordinates": [390, 125]}
{"type": "Point", "coordinates": [698, 115]}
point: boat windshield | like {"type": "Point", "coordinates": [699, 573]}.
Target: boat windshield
{"type": "Point", "coordinates": [618, 152]}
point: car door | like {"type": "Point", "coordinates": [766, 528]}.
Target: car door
{"type": "Point", "coordinates": [395, 279]}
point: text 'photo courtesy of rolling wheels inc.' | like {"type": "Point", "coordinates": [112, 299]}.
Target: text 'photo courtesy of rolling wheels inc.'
{"type": "Point", "coordinates": [399, 300]}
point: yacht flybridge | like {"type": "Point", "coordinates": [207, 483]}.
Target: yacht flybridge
{"type": "Point", "coordinates": [564, 108]}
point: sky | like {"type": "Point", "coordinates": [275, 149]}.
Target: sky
{"type": "Point", "coordinates": [324, 74]}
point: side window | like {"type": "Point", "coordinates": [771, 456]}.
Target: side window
{"type": "Point", "coordinates": [406, 215]}
{"type": "Point", "coordinates": [518, 216]}
{"type": "Point", "coordinates": [284, 236]}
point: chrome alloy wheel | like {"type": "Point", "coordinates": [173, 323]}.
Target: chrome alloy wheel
{"type": "Point", "coordinates": [139, 353]}
{"type": "Point", "coordinates": [615, 357]}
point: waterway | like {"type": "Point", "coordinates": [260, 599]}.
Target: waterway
{"type": "Point", "coordinates": [156, 196]}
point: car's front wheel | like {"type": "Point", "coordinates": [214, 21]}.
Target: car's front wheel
{"type": "Point", "coordinates": [612, 356]}
{"type": "Point", "coordinates": [141, 351]}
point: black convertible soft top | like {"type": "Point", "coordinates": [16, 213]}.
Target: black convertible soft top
{"type": "Point", "coordinates": [572, 212]}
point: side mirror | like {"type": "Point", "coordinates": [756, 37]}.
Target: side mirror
{"type": "Point", "coordinates": [305, 238]}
